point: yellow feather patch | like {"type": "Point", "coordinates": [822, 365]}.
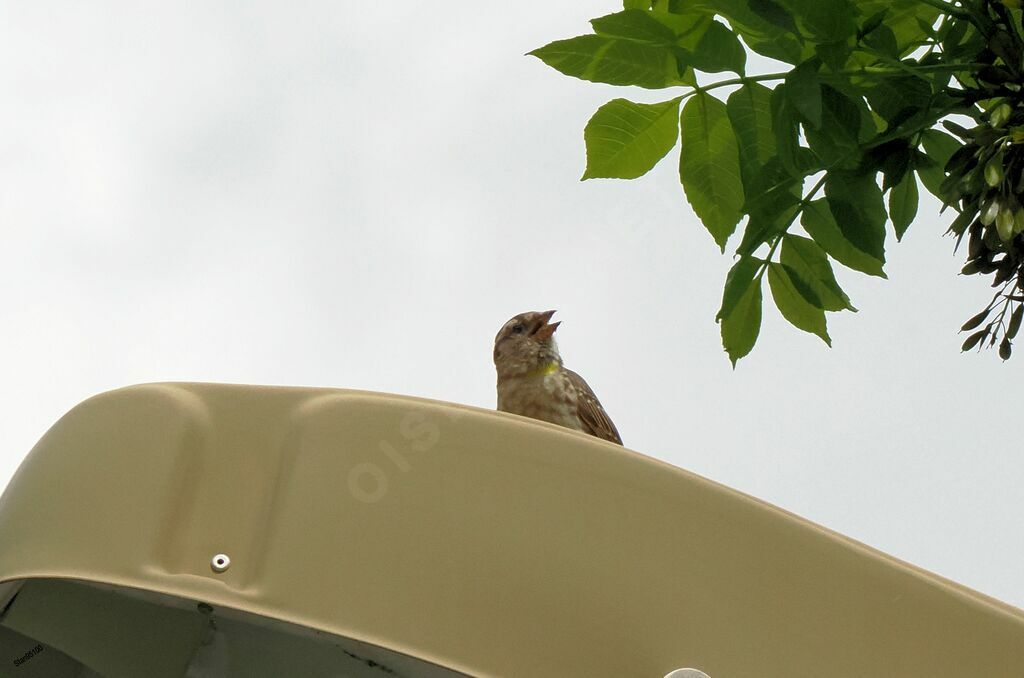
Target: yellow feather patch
{"type": "Point", "coordinates": [545, 369]}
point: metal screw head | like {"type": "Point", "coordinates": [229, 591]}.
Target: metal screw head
{"type": "Point", "coordinates": [687, 673]}
{"type": "Point", "coordinates": [220, 562]}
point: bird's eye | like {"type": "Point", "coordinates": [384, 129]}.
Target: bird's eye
{"type": "Point", "coordinates": [518, 328]}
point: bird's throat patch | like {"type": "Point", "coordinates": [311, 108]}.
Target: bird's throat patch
{"type": "Point", "coordinates": [545, 369]}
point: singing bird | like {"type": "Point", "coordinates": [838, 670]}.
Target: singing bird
{"type": "Point", "coordinates": [532, 381]}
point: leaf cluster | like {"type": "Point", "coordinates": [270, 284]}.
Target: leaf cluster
{"type": "Point", "coordinates": [985, 180]}
{"type": "Point", "coordinates": [813, 165]}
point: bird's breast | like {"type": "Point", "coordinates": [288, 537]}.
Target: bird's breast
{"type": "Point", "coordinates": [548, 397]}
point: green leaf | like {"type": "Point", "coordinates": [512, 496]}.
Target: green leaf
{"type": "Point", "coordinates": [994, 173]}
{"type": "Point", "coordinates": [870, 123]}
{"type": "Point", "coordinates": [897, 97]}
{"type": "Point", "coordinates": [872, 22]}
{"type": "Point", "coordinates": [902, 18]}
{"type": "Point", "coordinates": [772, 202]}
{"type": "Point", "coordinates": [775, 176]}
{"type": "Point", "coordinates": [719, 50]}
{"type": "Point", "coordinates": [972, 341]}
{"type": "Point", "coordinates": [636, 4]}
{"type": "Point", "coordinates": [634, 25]}
{"type": "Point", "coordinates": [831, 21]}
{"type": "Point", "coordinates": [1005, 47]}
{"type": "Point", "coordinates": [689, 28]}
{"type": "Point", "coordinates": [891, 158]}
{"type": "Point", "coordinates": [926, 28]}
{"type": "Point", "coordinates": [709, 166]}
{"type": "Point", "coordinates": [855, 201]}
{"type": "Point", "coordinates": [774, 13]}
{"type": "Point", "coordinates": [975, 320]}
{"type": "Point", "coordinates": [736, 283]}
{"type": "Point", "coordinates": [785, 129]}
{"type": "Point", "coordinates": [837, 140]}
{"type": "Point", "coordinates": [883, 41]}
{"type": "Point", "coordinates": [804, 91]}
{"type": "Point", "coordinates": [761, 229]}
{"type": "Point", "coordinates": [761, 35]}
{"type": "Point", "coordinates": [903, 204]}
{"type": "Point", "coordinates": [793, 306]}
{"type": "Point", "coordinates": [599, 58]}
{"type": "Point", "coordinates": [963, 220]}
{"type": "Point", "coordinates": [939, 146]}
{"type": "Point", "coordinates": [819, 223]}
{"type": "Point", "coordinates": [783, 47]}
{"type": "Point", "coordinates": [626, 139]}
{"type": "Point", "coordinates": [750, 113]}
{"type": "Point", "coordinates": [999, 115]}
{"type": "Point", "coordinates": [1015, 319]}
{"type": "Point", "coordinates": [951, 34]}
{"type": "Point", "coordinates": [833, 54]}
{"type": "Point", "coordinates": [806, 262]}
{"type": "Point", "coordinates": [931, 175]}
{"type": "Point", "coordinates": [741, 327]}
{"type": "Point", "coordinates": [804, 288]}
{"type": "Point", "coordinates": [1005, 348]}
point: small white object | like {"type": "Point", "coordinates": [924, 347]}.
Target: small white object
{"type": "Point", "coordinates": [221, 562]}
{"type": "Point", "coordinates": [687, 673]}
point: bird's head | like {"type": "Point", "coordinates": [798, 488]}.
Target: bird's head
{"type": "Point", "coordinates": [526, 344]}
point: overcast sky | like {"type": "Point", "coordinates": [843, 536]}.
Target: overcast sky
{"type": "Point", "coordinates": [360, 194]}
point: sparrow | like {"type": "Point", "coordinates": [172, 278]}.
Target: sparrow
{"type": "Point", "coordinates": [533, 382]}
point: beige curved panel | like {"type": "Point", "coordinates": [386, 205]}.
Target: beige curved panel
{"type": "Point", "coordinates": [478, 541]}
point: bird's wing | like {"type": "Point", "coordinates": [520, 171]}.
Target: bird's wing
{"type": "Point", "coordinates": [595, 420]}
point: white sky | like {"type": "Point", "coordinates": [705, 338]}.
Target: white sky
{"type": "Point", "coordinates": [360, 194]}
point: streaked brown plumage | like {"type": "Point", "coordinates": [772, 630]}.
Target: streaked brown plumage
{"type": "Point", "coordinates": [532, 381]}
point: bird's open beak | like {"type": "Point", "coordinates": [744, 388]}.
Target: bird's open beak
{"type": "Point", "coordinates": [542, 329]}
